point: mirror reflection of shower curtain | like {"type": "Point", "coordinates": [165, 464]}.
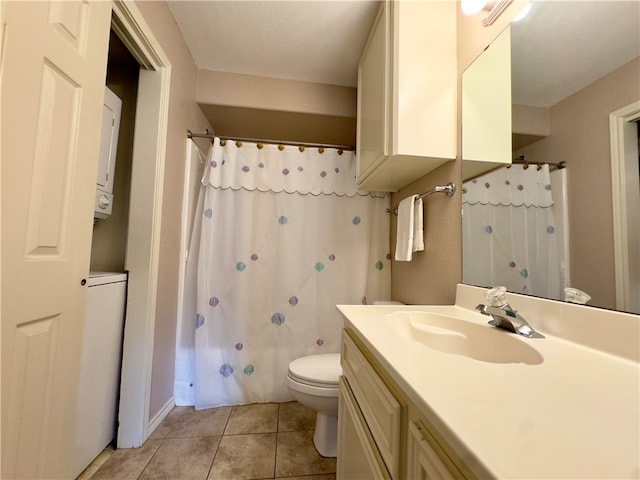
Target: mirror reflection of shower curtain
{"type": "Point", "coordinates": [510, 233]}
{"type": "Point", "coordinates": [283, 237]}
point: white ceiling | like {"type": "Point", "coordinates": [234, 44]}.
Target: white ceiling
{"type": "Point", "coordinates": [563, 46]}
{"type": "Point", "coordinates": [311, 40]}
{"type": "Point", "coordinates": [559, 48]}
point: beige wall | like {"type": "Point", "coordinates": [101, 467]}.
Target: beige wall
{"type": "Point", "coordinates": [269, 108]}
{"type": "Point", "coordinates": [580, 136]}
{"type": "Point", "coordinates": [184, 114]}
{"type": "Point", "coordinates": [432, 275]}
{"type": "Point", "coordinates": [249, 91]}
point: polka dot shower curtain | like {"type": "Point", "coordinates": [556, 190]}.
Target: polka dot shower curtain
{"type": "Point", "coordinates": [284, 236]}
{"type": "Point", "coordinates": [509, 232]}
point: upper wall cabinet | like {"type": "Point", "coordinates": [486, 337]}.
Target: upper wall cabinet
{"type": "Point", "coordinates": [486, 109]}
{"type": "Point", "coordinates": [407, 108]}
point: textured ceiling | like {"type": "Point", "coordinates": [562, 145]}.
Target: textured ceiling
{"type": "Point", "coordinates": [561, 47]}
{"type": "Point", "coordinates": [312, 40]}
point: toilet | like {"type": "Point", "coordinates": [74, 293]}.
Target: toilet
{"type": "Point", "coordinates": [313, 381]}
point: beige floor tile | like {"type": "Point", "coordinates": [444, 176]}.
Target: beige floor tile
{"type": "Point", "coordinates": [188, 422]}
{"type": "Point", "coordinates": [296, 455]}
{"type": "Point", "coordinates": [242, 457]}
{"type": "Point", "coordinates": [169, 422]}
{"type": "Point", "coordinates": [182, 458]}
{"type": "Point", "coordinates": [97, 463]}
{"type": "Point", "coordinates": [166, 425]}
{"type": "Point", "coordinates": [328, 476]}
{"type": "Point", "coordinates": [127, 463]}
{"type": "Point", "coordinates": [247, 451]}
{"type": "Point", "coordinates": [255, 418]}
{"type": "Point", "coordinates": [295, 417]}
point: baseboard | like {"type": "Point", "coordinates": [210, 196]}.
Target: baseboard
{"type": "Point", "coordinates": [159, 417]}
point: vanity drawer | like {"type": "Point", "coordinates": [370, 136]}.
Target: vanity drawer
{"type": "Point", "coordinates": [380, 408]}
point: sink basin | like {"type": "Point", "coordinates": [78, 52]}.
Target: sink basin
{"type": "Point", "coordinates": [460, 337]}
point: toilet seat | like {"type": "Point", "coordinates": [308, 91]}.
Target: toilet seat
{"type": "Point", "coordinates": [317, 370]}
{"type": "Point", "coordinates": [314, 390]}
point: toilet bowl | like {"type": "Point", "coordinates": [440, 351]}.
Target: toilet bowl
{"type": "Point", "coordinates": [313, 381]}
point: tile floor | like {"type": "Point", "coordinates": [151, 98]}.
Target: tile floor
{"type": "Point", "coordinates": [259, 441]}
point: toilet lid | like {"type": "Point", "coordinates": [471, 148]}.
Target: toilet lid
{"type": "Point", "coordinates": [323, 369]}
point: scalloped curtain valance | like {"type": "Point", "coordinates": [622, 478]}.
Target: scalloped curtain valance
{"type": "Point", "coordinates": [515, 186]}
{"type": "Point", "coordinates": [281, 168]}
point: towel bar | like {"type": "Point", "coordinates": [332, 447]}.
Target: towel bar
{"type": "Point", "coordinates": [449, 189]}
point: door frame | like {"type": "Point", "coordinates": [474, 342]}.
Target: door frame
{"type": "Point", "coordinates": [145, 211]}
{"type": "Point", "coordinates": [626, 205]}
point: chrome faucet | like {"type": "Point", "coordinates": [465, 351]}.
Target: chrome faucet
{"type": "Point", "coordinates": [503, 316]}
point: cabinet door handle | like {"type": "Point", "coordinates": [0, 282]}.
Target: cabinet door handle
{"type": "Point", "coordinates": [83, 282]}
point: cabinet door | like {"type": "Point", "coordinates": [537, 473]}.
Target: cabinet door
{"type": "Point", "coordinates": [486, 109]}
{"type": "Point", "coordinates": [372, 96]}
{"type": "Point", "coordinates": [380, 408]}
{"type": "Point", "coordinates": [358, 457]}
{"type": "Point", "coordinates": [423, 462]}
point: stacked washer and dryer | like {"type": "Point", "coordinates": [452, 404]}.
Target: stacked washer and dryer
{"type": "Point", "coordinates": [99, 386]}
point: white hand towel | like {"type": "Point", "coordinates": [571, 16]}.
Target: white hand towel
{"type": "Point", "coordinates": [418, 226]}
{"type": "Point", "coordinates": [404, 232]}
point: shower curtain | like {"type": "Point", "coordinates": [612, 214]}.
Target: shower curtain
{"type": "Point", "coordinates": [509, 232]}
{"type": "Point", "coordinates": [282, 236]}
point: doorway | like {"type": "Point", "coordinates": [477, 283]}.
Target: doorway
{"type": "Point", "coordinates": [143, 226]}
{"type": "Point", "coordinates": [625, 176]}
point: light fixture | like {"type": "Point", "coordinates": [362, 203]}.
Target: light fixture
{"type": "Point", "coordinates": [471, 7]}
{"type": "Point", "coordinates": [523, 13]}
{"type": "Point", "coordinates": [493, 7]}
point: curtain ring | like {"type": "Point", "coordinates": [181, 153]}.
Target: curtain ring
{"type": "Point", "coordinates": [260, 146]}
{"type": "Point", "coordinates": [525, 166]}
{"type": "Point", "coordinates": [223, 142]}
{"type": "Point", "coordinates": [539, 166]}
{"type": "Point", "coordinates": [301, 148]}
{"type": "Point", "coordinates": [238, 144]}
{"type": "Point", "coordinates": [281, 147]}
{"type": "Point", "coordinates": [321, 150]}
{"type": "Point", "coordinates": [340, 151]}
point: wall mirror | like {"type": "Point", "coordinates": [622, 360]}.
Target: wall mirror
{"type": "Point", "coordinates": [564, 217]}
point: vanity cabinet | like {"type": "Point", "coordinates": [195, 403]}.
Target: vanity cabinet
{"type": "Point", "coordinates": [381, 433]}
{"type": "Point", "coordinates": [407, 107]}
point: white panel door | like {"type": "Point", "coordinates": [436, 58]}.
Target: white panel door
{"type": "Point", "coordinates": [53, 75]}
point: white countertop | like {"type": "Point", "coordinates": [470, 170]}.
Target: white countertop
{"type": "Point", "coordinates": [575, 415]}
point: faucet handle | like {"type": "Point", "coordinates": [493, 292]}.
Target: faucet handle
{"type": "Point", "coordinates": [497, 296]}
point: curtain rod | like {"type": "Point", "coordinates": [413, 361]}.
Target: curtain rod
{"type": "Point", "coordinates": [211, 134]}
{"type": "Point", "coordinates": [522, 161]}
